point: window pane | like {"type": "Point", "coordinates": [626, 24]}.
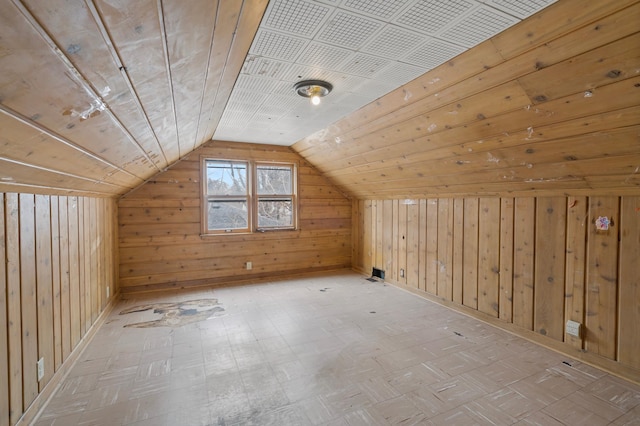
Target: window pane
{"type": "Point", "coordinates": [228, 215]}
{"type": "Point", "coordinates": [226, 178]}
{"type": "Point", "coordinates": [274, 180]}
{"type": "Point", "coordinates": [275, 213]}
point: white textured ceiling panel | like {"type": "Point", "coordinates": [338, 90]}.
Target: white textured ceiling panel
{"type": "Point", "coordinates": [323, 55]}
{"type": "Point", "coordinates": [433, 53]}
{"type": "Point", "coordinates": [364, 65]}
{"type": "Point", "coordinates": [348, 30]}
{"type": "Point", "coordinates": [393, 74]}
{"type": "Point", "coordinates": [364, 48]}
{"type": "Point", "coordinates": [381, 9]}
{"type": "Point", "coordinates": [295, 17]}
{"type": "Point", "coordinates": [265, 67]}
{"type": "Point", "coordinates": [480, 24]}
{"type": "Point", "coordinates": [393, 42]}
{"type": "Point", "coordinates": [519, 8]}
{"type": "Point", "coordinates": [277, 45]}
{"type": "Point", "coordinates": [431, 16]}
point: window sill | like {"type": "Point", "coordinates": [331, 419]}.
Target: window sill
{"type": "Point", "coordinates": [245, 233]}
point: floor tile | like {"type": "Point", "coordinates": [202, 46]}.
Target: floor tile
{"type": "Point", "coordinates": [400, 411]}
{"type": "Point", "coordinates": [569, 412]}
{"type": "Point", "coordinates": [327, 349]}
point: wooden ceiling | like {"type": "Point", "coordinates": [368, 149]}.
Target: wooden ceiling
{"type": "Point", "coordinates": [98, 96]}
{"type": "Point", "coordinates": [549, 106]}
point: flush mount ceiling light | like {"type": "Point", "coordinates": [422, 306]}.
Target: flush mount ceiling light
{"type": "Point", "coordinates": [313, 89]}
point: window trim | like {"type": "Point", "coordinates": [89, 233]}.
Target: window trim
{"type": "Point", "coordinates": [252, 197]}
{"type": "Point", "coordinates": [293, 195]}
{"type": "Point", "coordinates": [206, 198]}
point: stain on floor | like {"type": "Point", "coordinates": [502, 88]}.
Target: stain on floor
{"type": "Point", "coordinates": [176, 314]}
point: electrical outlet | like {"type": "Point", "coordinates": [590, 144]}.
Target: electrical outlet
{"type": "Point", "coordinates": [573, 328]}
{"type": "Point", "coordinates": [401, 273]}
{"type": "Point", "coordinates": [249, 265]}
{"type": "Point", "coordinates": [40, 369]}
{"type": "Point", "coordinates": [108, 291]}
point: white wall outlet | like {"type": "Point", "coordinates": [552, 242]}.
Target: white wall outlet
{"type": "Point", "coordinates": [249, 265]}
{"type": "Point", "coordinates": [573, 328]}
{"type": "Point", "coordinates": [401, 273]}
{"type": "Point", "coordinates": [40, 369]}
{"type": "Point", "coordinates": [108, 291]}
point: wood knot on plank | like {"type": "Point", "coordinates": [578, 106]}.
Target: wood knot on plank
{"type": "Point", "coordinates": [614, 73]}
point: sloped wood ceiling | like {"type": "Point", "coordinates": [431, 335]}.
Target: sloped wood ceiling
{"type": "Point", "coordinates": [551, 105]}
{"type": "Point", "coordinates": [98, 96]}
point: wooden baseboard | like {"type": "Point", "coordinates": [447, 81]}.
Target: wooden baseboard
{"type": "Point", "coordinates": [228, 281]}
{"type": "Point", "coordinates": [611, 366]}
{"type": "Point", "coordinates": [35, 409]}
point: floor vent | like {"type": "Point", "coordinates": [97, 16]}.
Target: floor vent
{"type": "Point", "coordinates": [377, 273]}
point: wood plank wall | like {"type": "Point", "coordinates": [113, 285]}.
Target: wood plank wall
{"type": "Point", "coordinates": [59, 256]}
{"type": "Point", "coordinates": [528, 264]}
{"type": "Point", "coordinates": [161, 245]}
{"type": "Point", "coordinates": [549, 106]}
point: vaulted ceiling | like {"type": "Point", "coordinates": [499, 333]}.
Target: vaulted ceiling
{"type": "Point", "coordinates": [98, 96]}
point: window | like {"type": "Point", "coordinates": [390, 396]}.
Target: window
{"type": "Point", "coordinates": [227, 195]}
{"type": "Point", "coordinates": [246, 196]}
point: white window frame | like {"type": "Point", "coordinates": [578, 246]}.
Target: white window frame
{"type": "Point", "coordinates": [252, 197]}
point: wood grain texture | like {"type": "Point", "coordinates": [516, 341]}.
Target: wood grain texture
{"type": "Point", "coordinates": [629, 283]}
{"type": "Point", "coordinates": [379, 262]}
{"type": "Point", "coordinates": [506, 118]}
{"type": "Point", "coordinates": [103, 119]}
{"type": "Point", "coordinates": [77, 267]}
{"type": "Point", "coordinates": [422, 249]}
{"type": "Point", "coordinates": [458, 249]}
{"type": "Point", "coordinates": [395, 273]}
{"type": "Point", "coordinates": [503, 129]}
{"type": "Point", "coordinates": [44, 290]}
{"type": "Point", "coordinates": [431, 260]}
{"type": "Point", "coordinates": [357, 237]}
{"type": "Point", "coordinates": [85, 263]}
{"type": "Point", "coordinates": [575, 265]}
{"type": "Point", "coordinates": [470, 254]}
{"type": "Point", "coordinates": [161, 241]}
{"type": "Point", "coordinates": [566, 17]}
{"type": "Point", "coordinates": [367, 237]}
{"type": "Point", "coordinates": [602, 278]}
{"type": "Point", "coordinates": [402, 242]}
{"type": "Point", "coordinates": [445, 248]}
{"type": "Point", "coordinates": [28, 299]}
{"type": "Point", "coordinates": [35, 308]}
{"type": "Point", "coordinates": [549, 287]}
{"type": "Point", "coordinates": [56, 268]}
{"type": "Point", "coordinates": [505, 299]}
{"type": "Point", "coordinates": [523, 262]}
{"type": "Point", "coordinates": [387, 236]}
{"type": "Point", "coordinates": [14, 320]}
{"type": "Point", "coordinates": [488, 256]}
{"type": "Point", "coordinates": [413, 245]}
{"type": "Point", "coordinates": [374, 234]}
{"type": "Point", "coordinates": [528, 264]}
{"type": "Point", "coordinates": [4, 326]}
{"type": "Point", "coordinates": [65, 277]}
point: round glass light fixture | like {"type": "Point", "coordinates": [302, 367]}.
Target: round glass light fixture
{"type": "Point", "coordinates": [313, 89]}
